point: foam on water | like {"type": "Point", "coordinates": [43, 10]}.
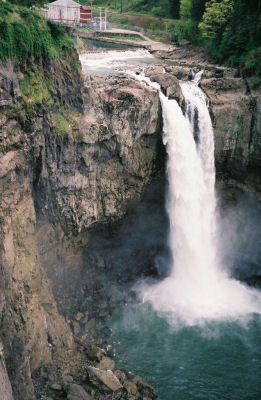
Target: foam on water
{"type": "Point", "coordinates": [112, 59]}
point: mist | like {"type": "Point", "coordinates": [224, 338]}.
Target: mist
{"type": "Point", "coordinates": [240, 234]}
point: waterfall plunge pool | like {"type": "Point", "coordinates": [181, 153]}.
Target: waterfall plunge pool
{"type": "Point", "coordinates": [214, 361]}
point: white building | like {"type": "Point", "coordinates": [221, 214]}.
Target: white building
{"type": "Point", "coordinates": [64, 11]}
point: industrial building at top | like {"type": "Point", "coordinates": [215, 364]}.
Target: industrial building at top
{"type": "Point", "coordinates": [69, 12]}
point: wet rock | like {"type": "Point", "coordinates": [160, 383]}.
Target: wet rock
{"type": "Point", "coordinates": [95, 353]}
{"type": "Point", "coordinates": [90, 324]}
{"type": "Point", "coordinates": [131, 388]}
{"type": "Point", "coordinates": [9, 84]}
{"type": "Point", "coordinates": [79, 316]}
{"type": "Point", "coordinates": [76, 392]}
{"type": "Point", "coordinates": [56, 386]}
{"type": "Point", "coordinates": [120, 375]}
{"type": "Point", "coordinates": [106, 379]}
{"type": "Point", "coordinates": [106, 363]}
{"type": "Point", "coordinates": [76, 327]}
{"type": "Point", "coordinates": [144, 388]}
{"type": "Point", "coordinates": [254, 281]}
{"type": "Point", "coordinates": [169, 85]}
{"type": "Point", "coordinates": [67, 379]}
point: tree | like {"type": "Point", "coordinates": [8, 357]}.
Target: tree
{"type": "Point", "coordinates": [174, 8]}
{"type": "Point", "coordinates": [29, 3]}
{"type": "Point", "coordinates": [185, 9]}
{"type": "Point", "coordinates": [197, 9]}
{"type": "Point", "coordinates": [215, 18]}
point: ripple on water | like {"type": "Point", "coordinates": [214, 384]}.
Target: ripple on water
{"type": "Point", "coordinates": [216, 360]}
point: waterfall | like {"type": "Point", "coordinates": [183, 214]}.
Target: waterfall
{"type": "Point", "coordinates": [198, 288]}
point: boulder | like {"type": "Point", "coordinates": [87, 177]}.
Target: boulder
{"type": "Point", "coordinates": [56, 386]}
{"type": "Point", "coordinates": [76, 392]}
{"type": "Point", "coordinates": [169, 85]}
{"type": "Point", "coordinates": [144, 388]}
{"type": "Point", "coordinates": [105, 379]}
{"type": "Point", "coordinates": [106, 363]}
{"type": "Point", "coordinates": [67, 379]}
{"type": "Point", "coordinates": [120, 375]}
{"type": "Point", "coordinates": [95, 353]}
{"type": "Point", "coordinates": [131, 388]}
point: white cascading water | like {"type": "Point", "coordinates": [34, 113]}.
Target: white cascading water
{"type": "Point", "coordinates": [111, 60]}
{"type": "Point", "coordinates": [197, 289]}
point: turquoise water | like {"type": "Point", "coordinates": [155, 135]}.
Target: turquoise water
{"type": "Point", "coordinates": [218, 360]}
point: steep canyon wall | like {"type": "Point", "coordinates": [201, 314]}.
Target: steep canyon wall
{"type": "Point", "coordinates": [75, 157]}
{"type": "Point", "coordinates": [73, 154]}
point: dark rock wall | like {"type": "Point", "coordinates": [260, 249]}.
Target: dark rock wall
{"type": "Point", "coordinates": [236, 110]}
{"type": "Point", "coordinates": [5, 385]}
{"type": "Point", "coordinates": [76, 158]}
{"type": "Point", "coordinates": [71, 166]}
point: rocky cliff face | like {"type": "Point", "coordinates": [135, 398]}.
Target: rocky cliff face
{"type": "Point", "coordinates": [235, 107]}
{"type": "Point", "coordinates": [73, 155]}
{"type": "Point", "coordinates": [106, 158]}
{"type": "Point", "coordinates": [5, 385]}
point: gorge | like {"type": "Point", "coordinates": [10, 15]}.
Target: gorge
{"type": "Point", "coordinates": [83, 219]}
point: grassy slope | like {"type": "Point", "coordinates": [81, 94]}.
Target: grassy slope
{"type": "Point", "coordinates": [24, 34]}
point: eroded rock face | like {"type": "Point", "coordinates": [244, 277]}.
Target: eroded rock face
{"type": "Point", "coordinates": [69, 167]}
{"type": "Point", "coordinates": [93, 172]}
{"type": "Point", "coordinates": [235, 109]}
{"type": "Point", "coordinates": [168, 82]}
{"type": "Point", "coordinates": [73, 161]}
{"type": "Point", "coordinates": [5, 385]}
{"type": "Point", "coordinates": [9, 84]}
{"type": "Point", "coordinates": [236, 112]}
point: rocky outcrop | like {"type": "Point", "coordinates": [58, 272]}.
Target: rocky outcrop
{"type": "Point", "coordinates": [9, 84]}
{"type": "Point", "coordinates": [75, 157]}
{"type": "Point", "coordinates": [5, 386]}
{"type": "Point", "coordinates": [168, 82]}
{"type": "Point", "coordinates": [235, 108]}
{"type": "Point", "coordinates": [94, 170]}
{"type": "Point", "coordinates": [236, 111]}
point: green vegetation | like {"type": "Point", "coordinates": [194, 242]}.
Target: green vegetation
{"type": "Point", "coordinates": [24, 34]}
{"type": "Point", "coordinates": [65, 122]}
{"type": "Point", "coordinates": [158, 28]}
{"type": "Point", "coordinates": [230, 30]}
{"type": "Point", "coordinates": [35, 89]}
{"type": "Point", "coordinates": [61, 125]}
{"type": "Point", "coordinates": [29, 3]}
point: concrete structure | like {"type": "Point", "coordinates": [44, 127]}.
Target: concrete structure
{"type": "Point", "coordinates": [64, 11]}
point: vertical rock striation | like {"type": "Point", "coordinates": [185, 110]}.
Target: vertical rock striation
{"type": "Point", "coordinates": [72, 155]}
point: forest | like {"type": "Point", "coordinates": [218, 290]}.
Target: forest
{"type": "Point", "coordinates": [229, 30]}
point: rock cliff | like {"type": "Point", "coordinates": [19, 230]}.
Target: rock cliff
{"type": "Point", "coordinates": [75, 157]}
{"type": "Point", "coordinates": [235, 107]}
{"type": "Point", "coordinates": [73, 154]}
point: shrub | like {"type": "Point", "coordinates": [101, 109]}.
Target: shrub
{"type": "Point", "coordinates": [23, 34]}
